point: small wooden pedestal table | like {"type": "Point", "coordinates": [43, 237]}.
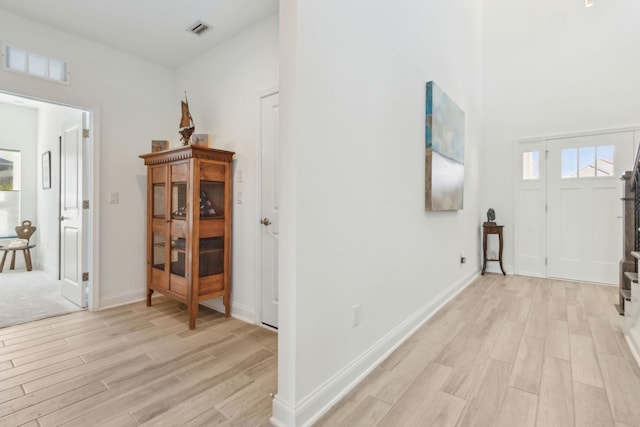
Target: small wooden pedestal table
{"type": "Point", "coordinates": [491, 228]}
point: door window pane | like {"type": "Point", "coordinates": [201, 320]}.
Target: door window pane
{"type": "Point", "coordinates": [569, 162]}
{"type": "Point", "coordinates": [604, 160]}
{"type": "Point", "coordinates": [587, 161]}
{"type": "Point", "coordinates": [531, 165]}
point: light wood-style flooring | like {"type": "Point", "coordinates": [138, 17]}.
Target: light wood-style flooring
{"type": "Point", "coordinates": [508, 351]}
{"type": "Point", "coordinates": [136, 365]}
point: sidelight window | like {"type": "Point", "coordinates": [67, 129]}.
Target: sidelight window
{"type": "Point", "coordinates": [531, 165]}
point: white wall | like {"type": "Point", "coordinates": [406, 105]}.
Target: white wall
{"type": "Point", "coordinates": [50, 121]}
{"type": "Point", "coordinates": [552, 67]}
{"type": "Point", "coordinates": [134, 102]}
{"type": "Point", "coordinates": [18, 131]}
{"type": "Point", "coordinates": [223, 86]}
{"type": "Point", "coordinates": [352, 114]}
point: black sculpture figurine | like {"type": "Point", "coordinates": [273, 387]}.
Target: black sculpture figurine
{"type": "Point", "coordinates": [491, 216]}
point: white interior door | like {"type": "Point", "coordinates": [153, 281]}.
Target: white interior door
{"type": "Point", "coordinates": [529, 244]}
{"type": "Point", "coordinates": [584, 238]}
{"type": "Point", "coordinates": [269, 111]}
{"type": "Point", "coordinates": [71, 219]}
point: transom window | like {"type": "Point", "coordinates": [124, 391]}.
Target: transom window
{"type": "Point", "coordinates": [585, 162]}
{"type": "Point", "coordinates": [35, 65]}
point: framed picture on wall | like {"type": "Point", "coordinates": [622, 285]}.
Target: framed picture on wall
{"type": "Point", "coordinates": [46, 170]}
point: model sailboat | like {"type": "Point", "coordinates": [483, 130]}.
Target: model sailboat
{"type": "Point", "coordinates": [186, 122]}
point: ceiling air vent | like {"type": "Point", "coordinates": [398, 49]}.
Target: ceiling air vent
{"type": "Point", "coordinates": [198, 28]}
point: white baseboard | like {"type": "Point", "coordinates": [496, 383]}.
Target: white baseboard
{"type": "Point", "coordinates": [320, 400]}
{"type": "Point", "coordinates": [48, 270]}
{"type": "Point", "coordinates": [122, 298]}
{"type": "Point", "coordinates": [239, 311]}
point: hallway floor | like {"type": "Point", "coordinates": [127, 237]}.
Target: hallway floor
{"type": "Point", "coordinates": [508, 351]}
{"type": "Point", "coordinates": [134, 365]}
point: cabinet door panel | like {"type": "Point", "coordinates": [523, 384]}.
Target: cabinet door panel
{"type": "Point", "coordinates": [159, 175]}
{"type": "Point", "coordinates": [210, 284]}
{"type": "Point", "coordinates": [211, 172]}
{"type": "Point", "coordinates": [179, 172]}
{"type": "Point", "coordinates": [211, 228]}
{"type": "Point", "coordinates": [178, 285]}
{"type": "Point", "coordinates": [158, 226]}
{"type": "Point", "coordinates": [178, 229]}
{"type": "Point", "coordinates": [158, 279]}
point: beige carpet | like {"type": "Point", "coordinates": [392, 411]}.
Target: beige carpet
{"type": "Point", "coordinates": [26, 296]}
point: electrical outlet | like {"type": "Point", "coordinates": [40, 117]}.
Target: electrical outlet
{"type": "Point", "coordinates": [463, 259]}
{"type": "Point", "coordinates": [356, 315]}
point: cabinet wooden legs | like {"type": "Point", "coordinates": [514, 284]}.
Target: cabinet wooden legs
{"type": "Point", "coordinates": [193, 314]}
{"type": "Point", "coordinates": [149, 293]}
{"type": "Point", "coordinates": [226, 301]}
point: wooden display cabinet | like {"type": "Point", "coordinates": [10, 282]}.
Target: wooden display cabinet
{"type": "Point", "coordinates": [189, 226]}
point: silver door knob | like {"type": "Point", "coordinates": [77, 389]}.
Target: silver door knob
{"type": "Point", "coordinates": [265, 221]}
{"type": "Point", "coordinates": [62, 218]}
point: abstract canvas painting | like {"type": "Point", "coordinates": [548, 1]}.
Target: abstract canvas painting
{"type": "Point", "coordinates": [444, 179]}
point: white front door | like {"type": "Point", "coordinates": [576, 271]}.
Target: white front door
{"type": "Point", "coordinates": [71, 219]}
{"type": "Point", "coordinates": [269, 112]}
{"type": "Point", "coordinates": [584, 231]}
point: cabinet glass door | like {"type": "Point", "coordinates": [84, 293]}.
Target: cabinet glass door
{"type": "Point", "coordinates": [211, 228]}
{"type": "Point", "coordinates": [179, 209]}
{"type": "Point", "coordinates": [159, 230]}
{"type": "Point", "coordinates": [159, 212]}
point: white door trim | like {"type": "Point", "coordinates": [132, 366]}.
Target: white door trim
{"type": "Point", "coordinates": [258, 206]}
{"type": "Point", "coordinates": [94, 200]}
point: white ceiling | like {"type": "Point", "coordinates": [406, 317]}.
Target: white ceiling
{"type": "Point", "coordinates": [150, 29]}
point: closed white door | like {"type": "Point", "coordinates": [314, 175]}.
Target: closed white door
{"type": "Point", "coordinates": [71, 219]}
{"type": "Point", "coordinates": [584, 232]}
{"type": "Point", "coordinates": [269, 112]}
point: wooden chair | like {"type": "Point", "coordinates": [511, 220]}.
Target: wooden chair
{"type": "Point", "coordinates": [24, 231]}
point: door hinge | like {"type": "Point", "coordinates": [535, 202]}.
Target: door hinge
{"type": "Point", "coordinates": [545, 261]}
{"type": "Point", "coordinates": [85, 204]}
{"type": "Point", "coordinates": [85, 133]}
{"type": "Point", "coordinates": [546, 207]}
{"type": "Point", "coordinates": [85, 276]}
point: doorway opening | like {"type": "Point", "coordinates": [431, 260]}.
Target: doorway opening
{"type": "Point", "coordinates": [269, 207]}
{"type": "Point", "coordinates": [56, 174]}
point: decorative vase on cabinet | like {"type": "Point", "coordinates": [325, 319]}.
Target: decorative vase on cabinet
{"type": "Point", "coordinates": [189, 226]}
